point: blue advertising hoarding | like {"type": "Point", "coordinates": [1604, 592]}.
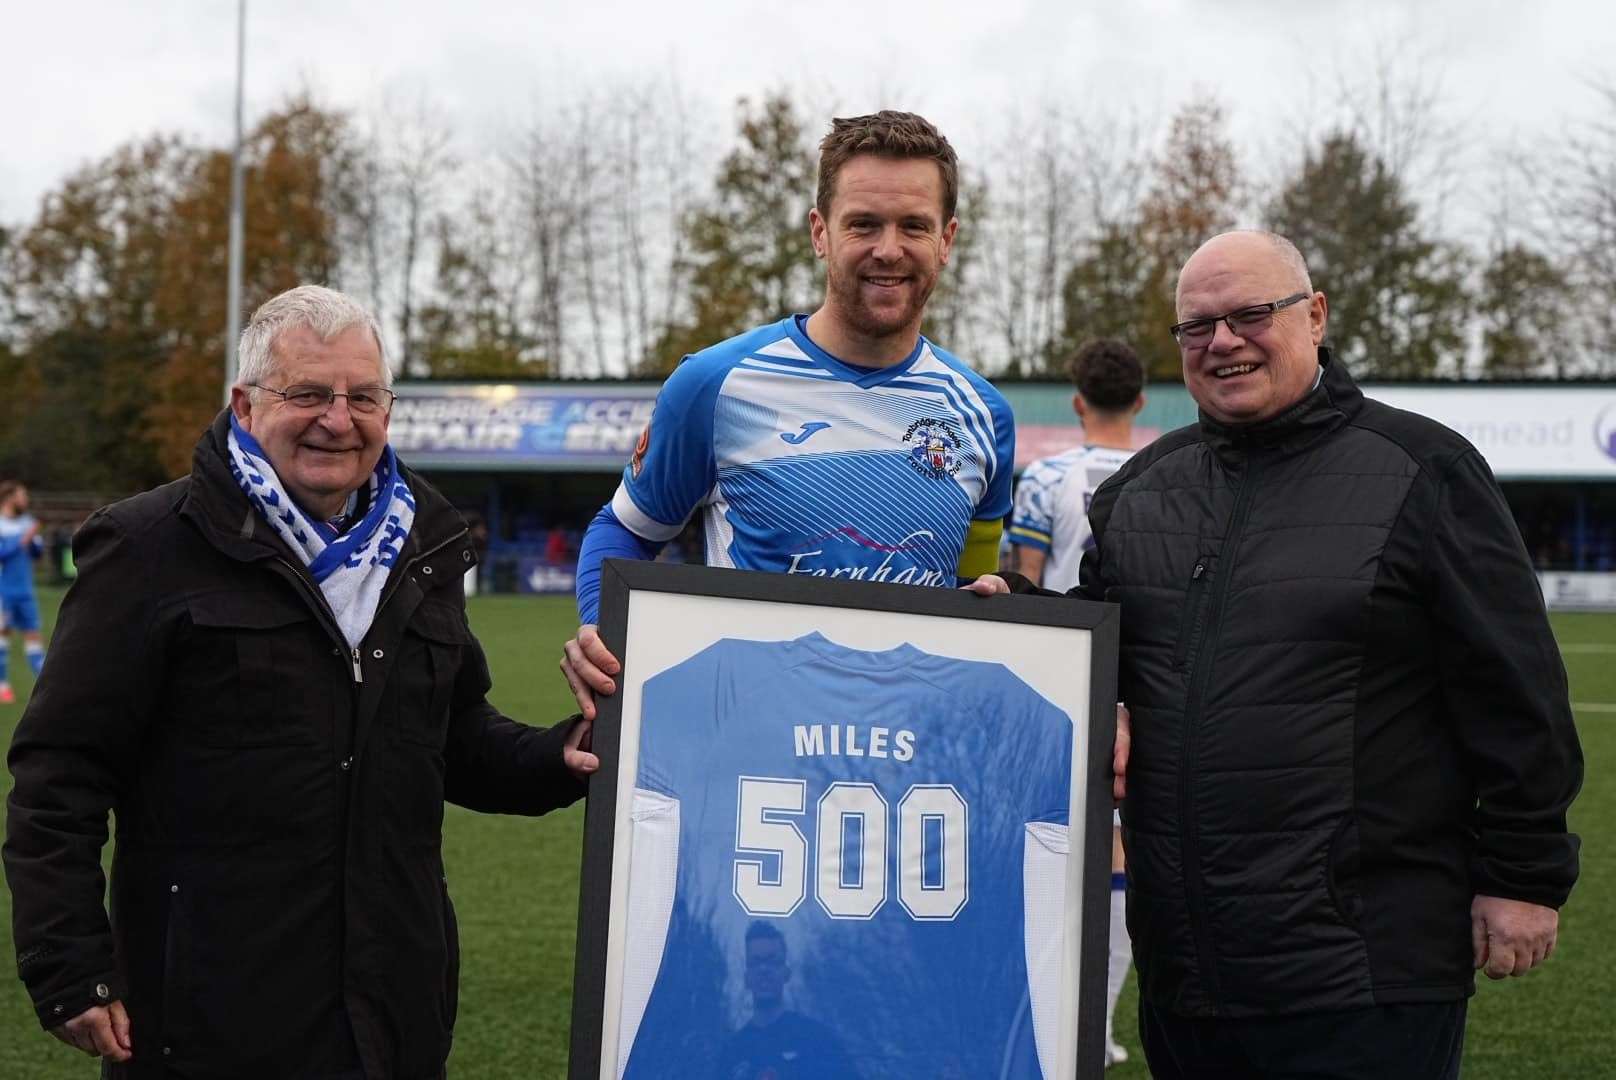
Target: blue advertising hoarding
{"type": "Point", "coordinates": [1524, 432]}
{"type": "Point", "coordinates": [511, 426]}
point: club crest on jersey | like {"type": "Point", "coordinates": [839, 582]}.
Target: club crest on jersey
{"type": "Point", "coordinates": [935, 449]}
{"type": "Point", "coordinates": [637, 462]}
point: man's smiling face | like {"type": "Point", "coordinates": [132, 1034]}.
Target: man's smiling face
{"type": "Point", "coordinates": [1243, 380]}
{"type": "Point", "coordinates": [884, 244]}
{"type": "Point", "coordinates": [321, 455]}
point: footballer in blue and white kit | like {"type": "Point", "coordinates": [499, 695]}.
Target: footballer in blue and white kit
{"type": "Point", "coordinates": [802, 464]}
{"type": "Point", "coordinates": [841, 444]}
{"type": "Point", "coordinates": [20, 547]}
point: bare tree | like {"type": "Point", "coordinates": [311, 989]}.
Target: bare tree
{"type": "Point", "coordinates": [1035, 233]}
{"type": "Point", "coordinates": [403, 160]}
{"type": "Point", "coordinates": [423, 159]}
{"type": "Point", "coordinates": [542, 170]}
{"type": "Point", "coordinates": [1575, 210]}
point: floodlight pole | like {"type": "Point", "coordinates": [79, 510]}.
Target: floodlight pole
{"type": "Point", "coordinates": [232, 333]}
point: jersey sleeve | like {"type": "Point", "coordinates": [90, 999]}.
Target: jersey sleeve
{"type": "Point", "coordinates": [673, 467]}
{"type": "Point", "coordinates": [1043, 890]}
{"type": "Point", "coordinates": [1025, 717]}
{"type": "Point", "coordinates": [981, 554]}
{"type": "Point", "coordinates": [1033, 523]}
{"type": "Point", "coordinates": [683, 710]}
{"type": "Point", "coordinates": [995, 504]}
{"type": "Point", "coordinates": [606, 538]}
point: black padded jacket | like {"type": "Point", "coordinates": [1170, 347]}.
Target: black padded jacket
{"type": "Point", "coordinates": [1349, 713]}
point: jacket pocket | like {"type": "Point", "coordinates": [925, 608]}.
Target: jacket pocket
{"type": "Point", "coordinates": [1192, 620]}
{"type": "Point", "coordinates": [434, 640]}
{"type": "Point", "coordinates": [1341, 874]}
{"type": "Point", "coordinates": [247, 670]}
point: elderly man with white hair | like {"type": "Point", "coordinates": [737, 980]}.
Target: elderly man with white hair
{"type": "Point", "coordinates": [265, 670]}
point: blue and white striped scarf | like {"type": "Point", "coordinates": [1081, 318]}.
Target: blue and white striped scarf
{"type": "Point", "coordinates": [349, 567]}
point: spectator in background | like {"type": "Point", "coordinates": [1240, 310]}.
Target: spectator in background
{"type": "Point", "coordinates": [60, 552]}
{"type": "Point", "coordinates": [20, 546]}
{"type": "Point", "coordinates": [264, 669]}
{"type": "Point", "coordinates": [555, 546]}
{"type": "Point", "coordinates": [1351, 750]}
{"type": "Point", "coordinates": [1049, 531]}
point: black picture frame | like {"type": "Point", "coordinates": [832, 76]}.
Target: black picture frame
{"type": "Point", "coordinates": [659, 592]}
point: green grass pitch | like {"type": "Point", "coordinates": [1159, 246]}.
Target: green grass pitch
{"type": "Point", "coordinates": [515, 884]}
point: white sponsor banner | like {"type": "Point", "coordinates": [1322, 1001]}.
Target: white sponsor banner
{"type": "Point", "coordinates": [1578, 592]}
{"type": "Point", "coordinates": [1523, 431]}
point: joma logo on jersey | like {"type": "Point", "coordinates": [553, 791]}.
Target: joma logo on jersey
{"type": "Point", "coordinates": [936, 447]}
{"type": "Point", "coordinates": [808, 431]}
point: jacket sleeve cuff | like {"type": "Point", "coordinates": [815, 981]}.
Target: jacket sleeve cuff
{"type": "Point", "coordinates": [1535, 868]}
{"type": "Point", "coordinates": [564, 786]}
{"type": "Point", "coordinates": [56, 1009]}
{"type": "Point", "coordinates": [1020, 583]}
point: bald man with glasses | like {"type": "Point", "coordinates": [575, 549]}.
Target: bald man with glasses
{"type": "Point", "coordinates": [1351, 749]}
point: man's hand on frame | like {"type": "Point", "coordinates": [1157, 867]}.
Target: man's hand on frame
{"type": "Point", "coordinates": [575, 754]}
{"type": "Point", "coordinates": [589, 668]}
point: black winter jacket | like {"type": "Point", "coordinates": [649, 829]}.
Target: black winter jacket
{"type": "Point", "coordinates": [1349, 713]}
{"type": "Point", "coordinates": [279, 904]}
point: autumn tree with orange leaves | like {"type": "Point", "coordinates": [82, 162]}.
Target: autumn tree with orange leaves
{"type": "Point", "coordinates": [116, 295]}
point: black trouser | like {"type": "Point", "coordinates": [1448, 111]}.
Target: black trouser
{"type": "Point", "coordinates": [1384, 1042]}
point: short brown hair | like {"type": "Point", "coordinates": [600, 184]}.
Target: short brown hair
{"type": "Point", "coordinates": [1107, 372]}
{"type": "Point", "coordinates": [887, 134]}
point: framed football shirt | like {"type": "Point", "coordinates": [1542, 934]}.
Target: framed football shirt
{"type": "Point", "coordinates": [833, 835]}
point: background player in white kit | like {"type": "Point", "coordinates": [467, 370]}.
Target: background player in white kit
{"type": "Point", "coordinates": [1050, 531]}
{"type": "Point", "coordinates": [1050, 528]}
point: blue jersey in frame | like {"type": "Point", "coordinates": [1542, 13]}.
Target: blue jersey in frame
{"type": "Point", "coordinates": [858, 855]}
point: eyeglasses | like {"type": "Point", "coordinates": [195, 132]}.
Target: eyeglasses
{"type": "Point", "coordinates": [1243, 323]}
{"type": "Point", "coordinates": [366, 401]}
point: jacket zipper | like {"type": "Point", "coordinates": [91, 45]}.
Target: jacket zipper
{"type": "Point", "coordinates": [321, 607]}
{"type": "Point", "coordinates": [331, 619]}
{"type": "Point", "coordinates": [1194, 620]}
{"type": "Point", "coordinates": [1200, 675]}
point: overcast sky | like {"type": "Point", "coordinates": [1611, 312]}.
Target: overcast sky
{"type": "Point", "coordinates": [79, 78]}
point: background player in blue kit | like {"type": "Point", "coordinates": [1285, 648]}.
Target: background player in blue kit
{"type": "Point", "coordinates": [840, 444]}
{"type": "Point", "coordinates": [20, 545]}
{"type": "Point", "coordinates": [1049, 532]}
